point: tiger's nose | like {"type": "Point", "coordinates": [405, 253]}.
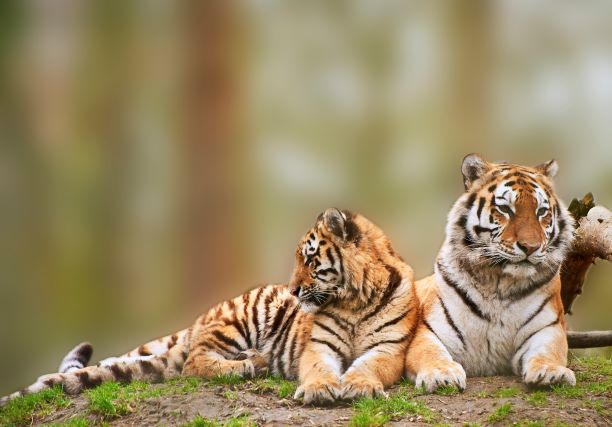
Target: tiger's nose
{"type": "Point", "coordinates": [528, 247]}
{"type": "Point", "coordinates": [295, 291]}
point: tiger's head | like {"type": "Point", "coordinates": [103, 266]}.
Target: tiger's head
{"type": "Point", "coordinates": [510, 216]}
{"type": "Point", "coordinates": [343, 256]}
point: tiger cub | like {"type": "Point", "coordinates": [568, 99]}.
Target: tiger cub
{"type": "Point", "coordinates": [493, 304]}
{"type": "Point", "coordinates": [341, 326]}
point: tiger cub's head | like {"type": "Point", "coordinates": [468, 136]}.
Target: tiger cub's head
{"type": "Point", "coordinates": [343, 256]}
{"type": "Point", "coordinates": [510, 216]}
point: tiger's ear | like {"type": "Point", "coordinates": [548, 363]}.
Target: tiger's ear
{"type": "Point", "coordinates": [550, 168]}
{"type": "Point", "coordinates": [472, 168]}
{"type": "Point", "coordinates": [340, 224]}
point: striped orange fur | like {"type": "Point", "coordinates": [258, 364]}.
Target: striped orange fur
{"type": "Point", "coordinates": [493, 304]}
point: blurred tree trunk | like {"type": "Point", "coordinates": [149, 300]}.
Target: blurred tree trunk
{"type": "Point", "coordinates": [212, 122]}
{"type": "Point", "coordinates": [470, 48]}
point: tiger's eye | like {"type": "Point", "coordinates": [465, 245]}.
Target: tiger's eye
{"type": "Point", "coordinates": [505, 209]}
{"type": "Point", "coordinates": [542, 212]}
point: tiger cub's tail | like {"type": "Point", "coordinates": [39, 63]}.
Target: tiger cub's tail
{"type": "Point", "coordinates": [74, 376]}
{"type": "Point", "coordinates": [76, 358]}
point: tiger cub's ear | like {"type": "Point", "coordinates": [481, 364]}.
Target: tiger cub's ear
{"type": "Point", "coordinates": [472, 168]}
{"type": "Point", "coordinates": [340, 224]}
{"type": "Point", "coordinates": [549, 169]}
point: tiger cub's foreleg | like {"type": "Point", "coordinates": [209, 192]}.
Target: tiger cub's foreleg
{"type": "Point", "coordinates": [319, 374]}
{"type": "Point", "coordinates": [430, 365]}
{"type": "Point", "coordinates": [371, 372]}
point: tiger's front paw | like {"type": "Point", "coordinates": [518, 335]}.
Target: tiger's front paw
{"type": "Point", "coordinates": [319, 392]}
{"type": "Point", "coordinates": [354, 387]}
{"type": "Point", "coordinates": [440, 374]}
{"type": "Point", "coordinates": [544, 375]}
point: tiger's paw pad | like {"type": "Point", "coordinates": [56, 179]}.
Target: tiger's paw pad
{"type": "Point", "coordinates": [548, 375]}
{"type": "Point", "coordinates": [440, 375]}
{"type": "Point", "coordinates": [355, 388]}
{"type": "Point", "coordinates": [319, 392]}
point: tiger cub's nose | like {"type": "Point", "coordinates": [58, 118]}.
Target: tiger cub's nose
{"type": "Point", "coordinates": [295, 291]}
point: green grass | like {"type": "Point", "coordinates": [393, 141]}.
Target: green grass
{"type": "Point", "coordinates": [500, 413]}
{"type": "Point", "coordinates": [24, 409]}
{"type": "Point", "coordinates": [229, 379]}
{"type": "Point", "coordinates": [242, 421]}
{"type": "Point", "coordinates": [536, 398]}
{"type": "Point", "coordinates": [447, 390]}
{"type": "Point", "coordinates": [377, 412]}
{"type": "Point", "coordinates": [530, 423]}
{"type": "Point", "coordinates": [281, 387]}
{"type": "Point", "coordinates": [74, 422]}
{"type": "Point", "coordinates": [507, 392]}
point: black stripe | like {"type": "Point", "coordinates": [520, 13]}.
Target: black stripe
{"type": "Point", "coordinates": [332, 347]}
{"type": "Point", "coordinates": [280, 337]}
{"type": "Point", "coordinates": [535, 313]}
{"type": "Point", "coordinates": [478, 229]}
{"type": "Point", "coordinates": [492, 188]}
{"type": "Point", "coordinates": [343, 324]}
{"type": "Point", "coordinates": [403, 338]}
{"type": "Point", "coordinates": [426, 323]}
{"type": "Point", "coordinates": [122, 376]}
{"type": "Point", "coordinates": [470, 200]}
{"type": "Point", "coordinates": [462, 294]}
{"type": "Point", "coordinates": [255, 314]}
{"type": "Point", "coordinates": [450, 321]}
{"type": "Point", "coordinates": [331, 331]}
{"type": "Point", "coordinates": [229, 341]}
{"type": "Point", "coordinates": [481, 203]}
{"type": "Point", "coordinates": [462, 221]}
{"type": "Point", "coordinates": [279, 316]}
{"type": "Point", "coordinates": [282, 347]}
{"type": "Point", "coordinates": [394, 281]}
{"type": "Point", "coordinates": [294, 339]}
{"type": "Point", "coordinates": [148, 368]}
{"type": "Point", "coordinates": [392, 321]}
{"type": "Point", "coordinates": [554, 322]}
{"type": "Point", "coordinates": [533, 286]}
{"type": "Point", "coordinates": [87, 381]}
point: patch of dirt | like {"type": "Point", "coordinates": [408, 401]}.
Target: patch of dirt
{"type": "Point", "coordinates": [475, 405]}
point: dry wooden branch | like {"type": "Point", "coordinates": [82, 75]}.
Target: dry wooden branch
{"type": "Point", "coordinates": [592, 239]}
{"type": "Point", "coordinates": [589, 339]}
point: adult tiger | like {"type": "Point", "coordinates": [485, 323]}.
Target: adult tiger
{"type": "Point", "coordinates": [493, 304]}
{"type": "Point", "coordinates": [342, 325]}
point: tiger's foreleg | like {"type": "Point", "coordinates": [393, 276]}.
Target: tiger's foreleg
{"type": "Point", "coordinates": [541, 357]}
{"type": "Point", "coordinates": [430, 365]}
{"type": "Point", "coordinates": [319, 374]}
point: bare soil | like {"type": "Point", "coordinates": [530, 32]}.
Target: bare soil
{"type": "Point", "coordinates": [475, 405]}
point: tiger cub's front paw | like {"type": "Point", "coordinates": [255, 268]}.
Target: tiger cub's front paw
{"type": "Point", "coordinates": [259, 362]}
{"type": "Point", "coordinates": [319, 391]}
{"type": "Point", "coordinates": [356, 386]}
{"type": "Point", "coordinates": [439, 374]}
{"type": "Point", "coordinates": [544, 375]}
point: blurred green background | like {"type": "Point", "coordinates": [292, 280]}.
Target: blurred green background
{"type": "Point", "coordinates": [159, 156]}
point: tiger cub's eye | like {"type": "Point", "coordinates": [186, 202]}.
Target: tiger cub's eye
{"type": "Point", "coordinates": [542, 212]}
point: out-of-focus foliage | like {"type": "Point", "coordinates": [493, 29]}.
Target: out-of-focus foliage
{"type": "Point", "coordinates": [159, 156]}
